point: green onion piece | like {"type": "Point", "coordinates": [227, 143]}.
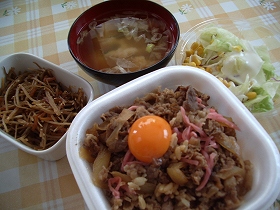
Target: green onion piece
{"type": "Point", "coordinates": [150, 47]}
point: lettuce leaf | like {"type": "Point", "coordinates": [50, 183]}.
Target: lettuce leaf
{"type": "Point", "coordinates": [250, 68]}
{"type": "Point", "coordinates": [267, 66]}
{"type": "Point", "coordinates": [262, 103]}
{"type": "Point", "coordinates": [218, 39]}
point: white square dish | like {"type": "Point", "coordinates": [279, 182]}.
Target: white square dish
{"type": "Point", "coordinates": [25, 61]}
{"type": "Point", "coordinates": [255, 143]}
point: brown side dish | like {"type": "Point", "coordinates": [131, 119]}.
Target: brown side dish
{"type": "Point", "coordinates": [36, 109]}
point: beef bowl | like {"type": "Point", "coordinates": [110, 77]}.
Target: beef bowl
{"type": "Point", "coordinates": [115, 44]}
{"type": "Point", "coordinates": [181, 141]}
{"type": "Point", "coordinates": [38, 103]}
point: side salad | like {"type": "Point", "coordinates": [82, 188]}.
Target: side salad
{"type": "Point", "coordinates": [245, 69]}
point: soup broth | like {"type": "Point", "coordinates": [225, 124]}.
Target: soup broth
{"type": "Point", "coordinates": [124, 44]}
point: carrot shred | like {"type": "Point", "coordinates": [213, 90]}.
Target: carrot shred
{"type": "Point", "coordinates": [35, 123]}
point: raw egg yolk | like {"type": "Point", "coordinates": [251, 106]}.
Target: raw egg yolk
{"type": "Point", "coordinates": [149, 137]}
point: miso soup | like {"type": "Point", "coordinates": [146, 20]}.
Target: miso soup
{"type": "Point", "coordinates": [124, 44]}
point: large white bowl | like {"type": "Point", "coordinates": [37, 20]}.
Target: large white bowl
{"type": "Point", "coordinates": [24, 61]}
{"type": "Point", "coordinates": [256, 144]}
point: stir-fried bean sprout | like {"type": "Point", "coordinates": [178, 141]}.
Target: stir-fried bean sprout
{"type": "Point", "coordinates": [35, 108]}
